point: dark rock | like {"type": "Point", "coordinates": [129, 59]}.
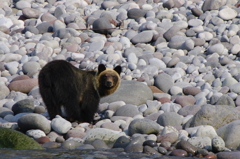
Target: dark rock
{"type": "Point", "coordinates": [102, 26]}
{"type": "Point", "coordinates": [136, 13]}
{"type": "Point", "coordinates": [121, 142]}
{"type": "Point", "coordinates": [23, 106]}
{"type": "Point", "coordinates": [44, 27]}
{"type": "Point", "coordinates": [34, 121]}
{"type": "Point", "coordinates": [150, 151]}
{"type": "Point", "coordinates": [186, 146]}
{"type": "Point", "coordinates": [150, 143]}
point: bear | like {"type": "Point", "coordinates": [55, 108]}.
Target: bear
{"type": "Point", "coordinates": [63, 85]}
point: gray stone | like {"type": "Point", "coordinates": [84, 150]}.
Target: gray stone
{"type": "Point", "coordinates": [5, 111]}
{"type": "Point", "coordinates": [66, 33]}
{"type": "Point", "coordinates": [209, 5]}
{"type": "Point", "coordinates": [217, 48]}
{"type": "Point", "coordinates": [177, 41]}
{"type": "Point", "coordinates": [31, 29]}
{"type": "Point", "coordinates": [227, 13]}
{"type": "Point", "coordinates": [131, 92]}
{"type": "Point", "coordinates": [201, 142]}
{"type": "Point", "coordinates": [128, 110]}
{"type": "Point", "coordinates": [136, 13]}
{"type": "Point", "coordinates": [229, 135]}
{"type": "Point", "coordinates": [170, 118]}
{"type": "Point", "coordinates": [23, 4]}
{"type": "Point", "coordinates": [97, 144]}
{"type": "Point", "coordinates": [30, 13]}
{"type": "Point", "coordinates": [225, 100]}
{"type": "Point", "coordinates": [23, 106]}
{"type": "Point", "coordinates": [106, 135]}
{"type": "Point", "coordinates": [189, 110]}
{"type": "Point", "coordinates": [214, 115]}
{"type": "Point", "coordinates": [102, 26]}
{"type": "Point", "coordinates": [34, 121]}
{"type": "Point", "coordinates": [60, 125]}
{"type": "Point", "coordinates": [164, 82]}
{"type": "Point", "coordinates": [218, 144]}
{"type": "Point", "coordinates": [143, 126]}
{"type": "Point", "coordinates": [227, 155]}
{"type": "Point", "coordinates": [121, 142]}
{"type": "Point", "coordinates": [142, 37]}
{"type": "Point", "coordinates": [235, 88]}
{"type": "Point", "coordinates": [31, 67]}
{"type": "Point", "coordinates": [44, 27]}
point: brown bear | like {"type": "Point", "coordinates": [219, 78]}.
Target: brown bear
{"type": "Point", "coordinates": [63, 85]}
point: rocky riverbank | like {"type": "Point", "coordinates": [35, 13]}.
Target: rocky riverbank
{"type": "Point", "coordinates": [180, 90]}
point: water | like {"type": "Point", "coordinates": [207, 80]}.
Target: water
{"type": "Point", "coordinates": [77, 154]}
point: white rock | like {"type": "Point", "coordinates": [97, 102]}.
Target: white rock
{"type": "Point", "coordinates": [207, 131]}
{"type": "Point", "coordinates": [158, 63]}
{"type": "Point", "coordinates": [227, 13]}
{"type": "Point", "coordinates": [201, 142]}
{"type": "Point", "coordinates": [35, 133]}
{"type": "Point", "coordinates": [60, 125]}
{"type": "Point", "coordinates": [106, 135]}
{"type": "Point", "coordinates": [132, 58]}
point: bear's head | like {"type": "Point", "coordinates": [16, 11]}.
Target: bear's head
{"type": "Point", "coordinates": [109, 79]}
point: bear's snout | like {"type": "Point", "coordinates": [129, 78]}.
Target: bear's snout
{"type": "Point", "coordinates": [109, 83]}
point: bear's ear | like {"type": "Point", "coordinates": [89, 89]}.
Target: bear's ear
{"type": "Point", "coordinates": [118, 69]}
{"type": "Point", "coordinates": [101, 68]}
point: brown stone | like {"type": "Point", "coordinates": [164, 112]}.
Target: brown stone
{"type": "Point", "coordinates": [24, 86]}
{"type": "Point", "coordinates": [43, 139]}
{"type": "Point", "coordinates": [185, 100]}
{"type": "Point", "coordinates": [20, 77]}
{"type": "Point", "coordinates": [75, 134]}
{"type": "Point", "coordinates": [164, 100]}
{"type": "Point", "coordinates": [178, 152]}
{"type": "Point", "coordinates": [186, 146]}
{"type": "Point", "coordinates": [155, 89]}
{"type": "Point", "coordinates": [191, 91]}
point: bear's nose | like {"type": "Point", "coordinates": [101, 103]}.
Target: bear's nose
{"type": "Point", "coordinates": [109, 84]}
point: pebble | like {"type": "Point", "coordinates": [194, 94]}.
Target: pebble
{"type": "Point", "coordinates": [60, 125]}
{"type": "Point", "coordinates": [169, 118]}
{"type": "Point", "coordinates": [178, 152]}
{"type": "Point", "coordinates": [34, 121]}
{"type": "Point", "coordinates": [164, 82]}
{"type": "Point", "coordinates": [143, 126]}
{"type": "Point", "coordinates": [143, 37]}
{"type": "Point", "coordinates": [23, 106]}
{"type": "Point", "coordinates": [24, 86]}
{"type": "Point", "coordinates": [5, 111]}
{"type": "Point", "coordinates": [35, 133]}
{"type": "Point", "coordinates": [227, 13]}
{"type": "Point", "coordinates": [226, 132]}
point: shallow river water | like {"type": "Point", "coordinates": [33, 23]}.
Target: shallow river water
{"type": "Point", "coordinates": [77, 154]}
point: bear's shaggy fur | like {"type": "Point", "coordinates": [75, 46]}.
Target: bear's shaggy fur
{"type": "Point", "coordinates": [77, 91]}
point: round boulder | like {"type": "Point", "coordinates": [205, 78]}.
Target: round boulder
{"type": "Point", "coordinates": [34, 121]}
{"type": "Point", "coordinates": [143, 126]}
{"type": "Point", "coordinates": [131, 92]}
